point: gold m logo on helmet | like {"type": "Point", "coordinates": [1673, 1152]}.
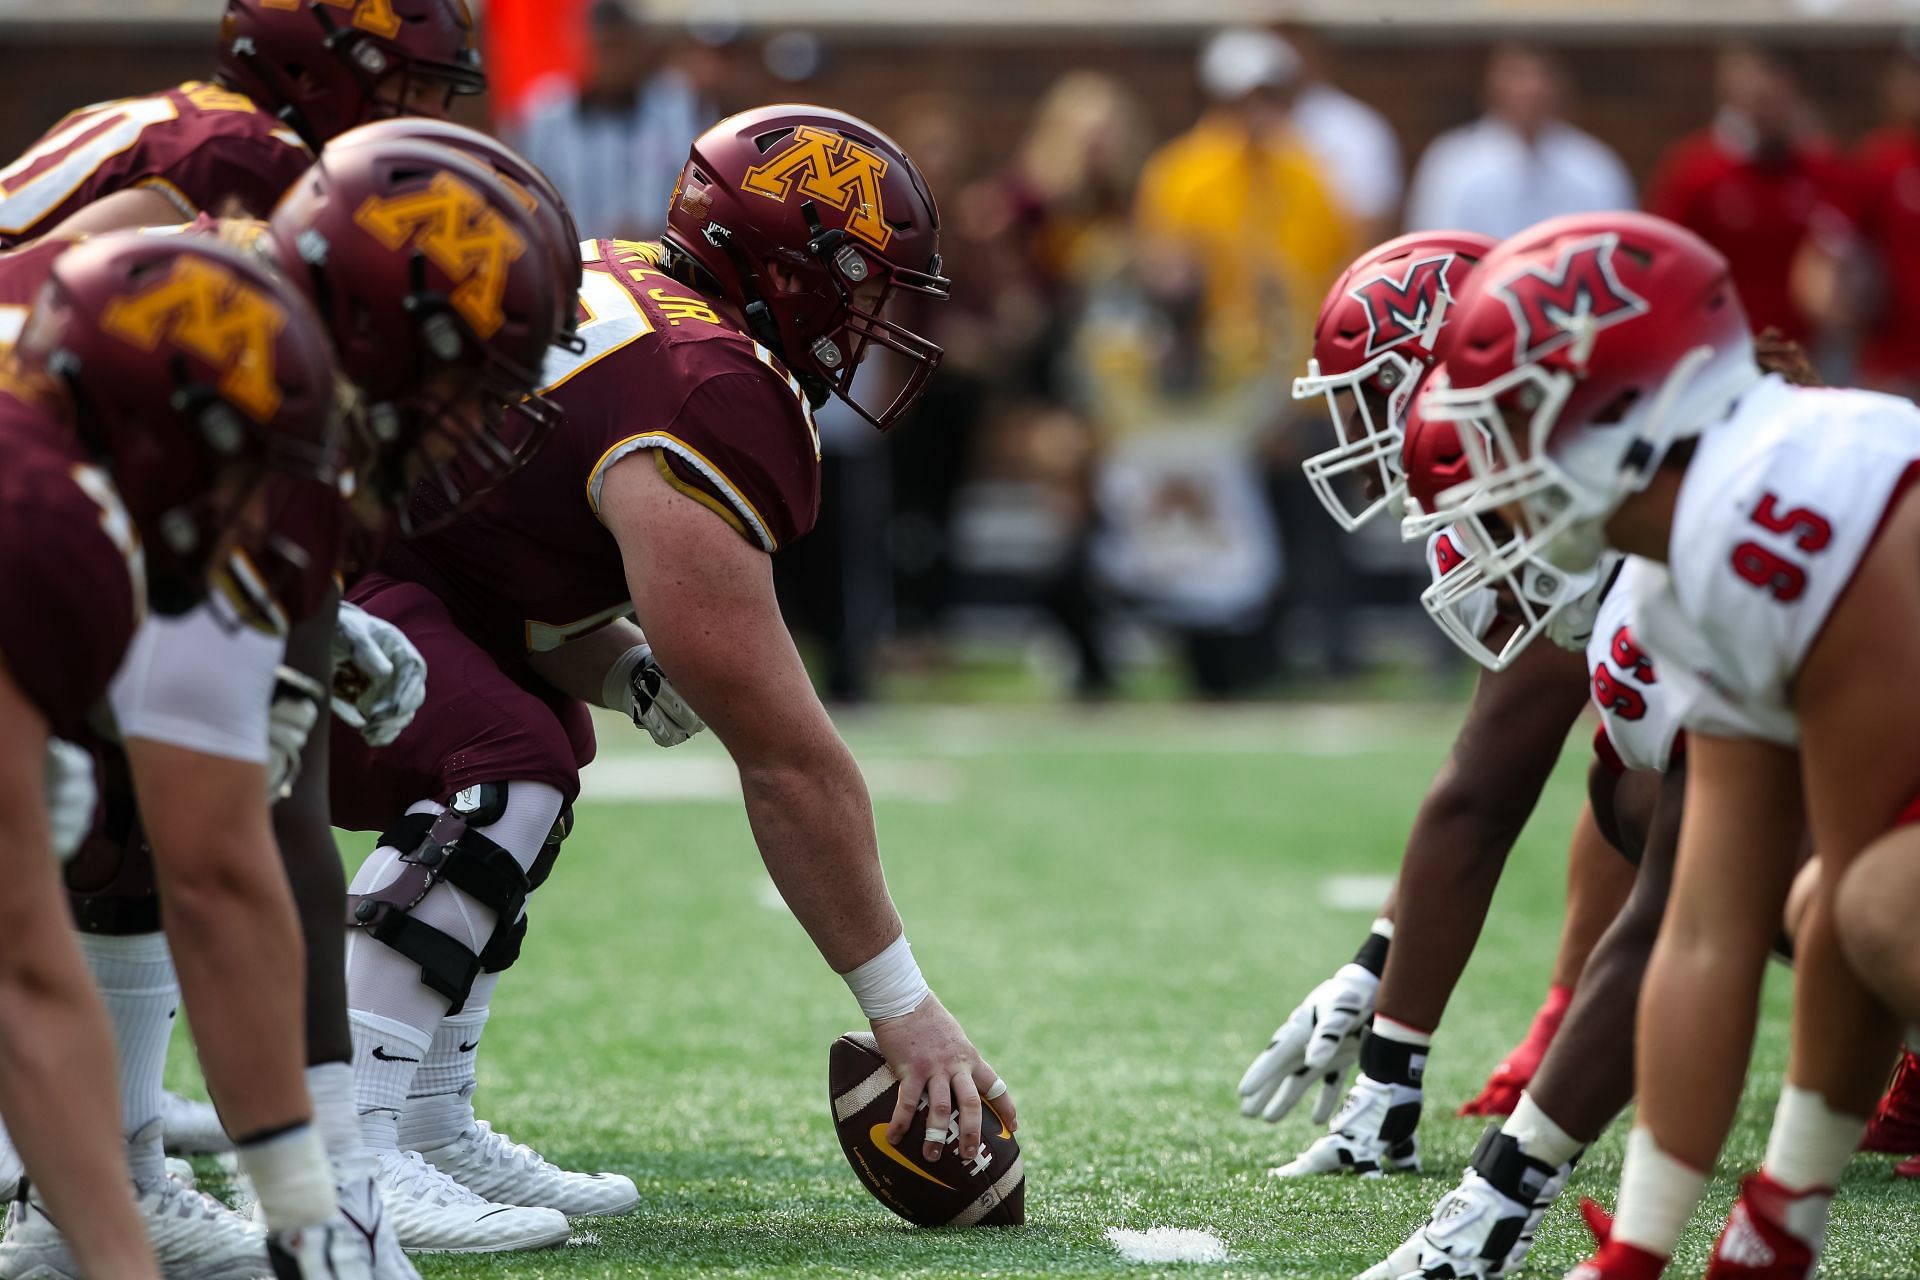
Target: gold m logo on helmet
{"type": "Point", "coordinates": [834, 170]}
{"type": "Point", "coordinates": [460, 233]}
{"type": "Point", "coordinates": [376, 16]}
{"type": "Point", "coordinates": [207, 311]}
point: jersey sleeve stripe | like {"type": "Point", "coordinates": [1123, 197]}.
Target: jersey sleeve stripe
{"type": "Point", "coordinates": [596, 478]}
{"type": "Point", "coordinates": [187, 208]}
{"type": "Point", "coordinates": [700, 496]}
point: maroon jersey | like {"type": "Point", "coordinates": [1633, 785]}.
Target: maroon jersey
{"type": "Point", "coordinates": [204, 147]}
{"type": "Point", "coordinates": [71, 589]}
{"type": "Point", "coordinates": [534, 567]}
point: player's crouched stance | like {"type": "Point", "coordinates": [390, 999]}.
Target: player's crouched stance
{"type": "Point", "coordinates": [108, 376]}
{"type": "Point", "coordinates": [688, 455]}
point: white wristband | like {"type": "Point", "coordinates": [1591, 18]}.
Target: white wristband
{"type": "Point", "coordinates": [890, 984]}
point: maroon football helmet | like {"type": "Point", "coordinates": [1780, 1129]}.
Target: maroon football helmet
{"type": "Point", "coordinates": [324, 66]}
{"type": "Point", "coordinates": [439, 288]}
{"type": "Point", "coordinates": [196, 374]}
{"type": "Point", "coordinates": [836, 207]}
{"type": "Point", "coordinates": [1373, 340]}
{"type": "Point", "coordinates": [539, 194]}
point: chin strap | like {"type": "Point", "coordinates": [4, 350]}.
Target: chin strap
{"type": "Point", "coordinates": [1662, 426]}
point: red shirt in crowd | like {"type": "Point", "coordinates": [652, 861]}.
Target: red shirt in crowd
{"type": "Point", "coordinates": [1759, 212]}
{"type": "Point", "coordinates": [1887, 216]}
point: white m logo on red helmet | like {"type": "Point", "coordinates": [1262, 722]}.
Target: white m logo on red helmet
{"type": "Point", "coordinates": [1575, 298]}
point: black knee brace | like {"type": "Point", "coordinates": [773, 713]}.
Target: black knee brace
{"type": "Point", "coordinates": [445, 847]}
{"type": "Point", "coordinates": [110, 882]}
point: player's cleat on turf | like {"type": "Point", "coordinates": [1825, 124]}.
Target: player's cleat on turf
{"type": "Point", "coordinates": [1617, 1260]}
{"type": "Point", "coordinates": [1896, 1124]}
{"type": "Point", "coordinates": [1483, 1228]}
{"type": "Point", "coordinates": [1372, 1137]}
{"type": "Point", "coordinates": [1771, 1233]}
{"type": "Point", "coordinates": [336, 1251]}
{"type": "Point", "coordinates": [508, 1172]}
{"type": "Point", "coordinates": [1907, 1168]}
{"type": "Point", "coordinates": [1501, 1094]}
{"type": "Point", "coordinates": [192, 1128]}
{"type": "Point", "coordinates": [431, 1213]}
{"type": "Point", "coordinates": [194, 1236]}
{"type": "Point", "coordinates": [363, 1209]}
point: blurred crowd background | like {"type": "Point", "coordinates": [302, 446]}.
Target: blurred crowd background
{"type": "Point", "coordinates": [1101, 489]}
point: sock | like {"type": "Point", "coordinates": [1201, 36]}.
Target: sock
{"type": "Point", "coordinates": [385, 1056]}
{"type": "Point", "coordinates": [1538, 1135]}
{"type": "Point", "coordinates": [291, 1176]}
{"type": "Point", "coordinates": [440, 1104]}
{"type": "Point", "coordinates": [136, 981]}
{"type": "Point", "coordinates": [1657, 1195]}
{"type": "Point", "coordinates": [330, 1085]}
{"type": "Point", "coordinates": [1810, 1143]}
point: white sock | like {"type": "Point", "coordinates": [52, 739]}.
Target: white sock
{"type": "Point", "coordinates": [1810, 1143]}
{"type": "Point", "coordinates": [385, 1056]}
{"type": "Point", "coordinates": [1538, 1135]}
{"type": "Point", "coordinates": [1657, 1195]}
{"type": "Point", "coordinates": [440, 1104]}
{"type": "Point", "coordinates": [292, 1178]}
{"type": "Point", "coordinates": [136, 981]}
{"type": "Point", "coordinates": [330, 1085]}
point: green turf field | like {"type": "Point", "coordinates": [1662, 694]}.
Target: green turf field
{"type": "Point", "coordinates": [1119, 904]}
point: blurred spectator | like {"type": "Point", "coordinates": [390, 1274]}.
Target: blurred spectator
{"type": "Point", "coordinates": [1239, 218]}
{"type": "Point", "coordinates": [1759, 184]}
{"type": "Point", "coordinates": [1887, 217]}
{"type": "Point", "coordinates": [1519, 163]}
{"type": "Point", "coordinates": [1354, 143]}
{"type": "Point", "coordinates": [615, 146]}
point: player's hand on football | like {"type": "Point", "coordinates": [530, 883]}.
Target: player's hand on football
{"type": "Point", "coordinates": [933, 1059]}
{"type": "Point", "coordinates": [379, 678]}
{"type": "Point", "coordinates": [1319, 1042]}
{"type": "Point", "coordinates": [658, 707]}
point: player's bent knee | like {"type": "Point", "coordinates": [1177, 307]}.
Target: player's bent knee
{"type": "Point", "coordinates": [447, 848]}
{"type": "Point", "coordinates": [1875, 901]}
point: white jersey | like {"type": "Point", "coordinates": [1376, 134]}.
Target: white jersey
{"type": "Point", "coordinates": [1776, 512]}
{"type": "Point", "coordinates": [1446, 551]}
{"type": "Point", "coordinates": [1638, 711]}
{"type": "Point", "coordinates": [199, 682]}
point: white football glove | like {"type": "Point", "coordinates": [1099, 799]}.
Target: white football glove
{"type": "Point", "coordinates": [336, 1251]}
{"type": "Point", "coordinates": [1319, 1041]}
{"type": "Point", "coordinates": [71, 795]}
{"type": "Point", "coordinates": [379, 678]}
{"type": "Point", "coordinates": [651, 699]}
{"type": "Point", "coordinates": [295, 710]}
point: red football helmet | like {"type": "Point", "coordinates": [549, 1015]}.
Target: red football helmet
{"type": "Point", "coordinates": [1373, 340]}
{"type": "Point", "coordinates": [440, 290]}
{"type": "Point", "coordinates": [1581, 349]}
{"type": "Point", "coordinates": [324, 66]}
{"type": "Point", "coordinates": [1472, 604]}
{"type": "Point", "coordinates": [542, 198]}
{"type": "Point", "coordinates": [195, 375]}
{"type": "Point", "coordinates": [790, 213]}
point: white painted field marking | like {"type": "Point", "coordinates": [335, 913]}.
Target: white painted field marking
{"type": "Point", "coordinates": [1355, 893]}
{"type": "Point", "coordinates": [658, 779]}
{"type": "Point", "coordinates": [1167, 1244]}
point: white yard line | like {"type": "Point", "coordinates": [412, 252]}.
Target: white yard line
{"type": "Point", "coordinates": [1167, 1244]}
{"type": "Point", "coordinates": [1355, 893]}
{"type": "Point", "coordinates": [659, 778]}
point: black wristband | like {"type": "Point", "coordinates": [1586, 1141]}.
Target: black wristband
{"type": "Point", "coordinates": [1372, 955]}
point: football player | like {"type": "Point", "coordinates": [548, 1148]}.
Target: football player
{"type": "Point", "coordinates": [1374, 340]}
{"type": "Point", "coordinates": [1609, 396]}
{"type": "Point", "coordinates": [202, 383]}
{"type": "Point", "coordinates": [435, 338]}
{"type": "Point", "coordinates": [290, 76]}
{"type": "Point", "coordinates": [689, 456]}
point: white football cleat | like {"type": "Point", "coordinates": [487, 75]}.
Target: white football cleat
{"type": "Point", "coordinates": [364, 1210]}
{"type": "Point", "coordinates": [192, 1128]}
{"type": "Point", "coordinates": [11, 1169]}
{"type": "Point", "coordinates": [510, 1172]}
{"type": "Point", "coordinates": [431, 1213]}
{"type": "Point", "coordinates": [1371, 1136]}
{"type": "Point", "coordinates": [194, 1236]}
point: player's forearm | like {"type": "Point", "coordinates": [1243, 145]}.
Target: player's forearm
{"type": "Point", "coordinates": [579, 667]}
{"type": "Point", "coordinates": [814, 825]}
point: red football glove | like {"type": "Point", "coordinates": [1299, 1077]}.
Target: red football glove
{"type": "Point", "coordinates": [1501, 1093]}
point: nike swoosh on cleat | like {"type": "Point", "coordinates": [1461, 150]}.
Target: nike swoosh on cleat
{"type": "Point", "coordinates": [379, 1051]}
{"type": "Point", "coordinates": [469, 1048]}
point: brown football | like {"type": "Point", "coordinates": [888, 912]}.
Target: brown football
{"type": "Point", "coordinates": [989, 1191]}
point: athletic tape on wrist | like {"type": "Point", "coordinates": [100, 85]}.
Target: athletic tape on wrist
{"type": "Point", "coordinates": [616, 690]}
{"type": "Point", "coordinates": [291, 1177]}
{"type": "Point", "coordinates": [889, 985]}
